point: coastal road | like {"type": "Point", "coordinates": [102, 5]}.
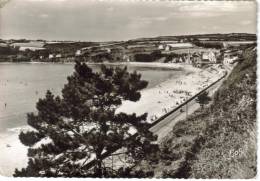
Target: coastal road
{"type": "Point", "coordinates": [162, 128]}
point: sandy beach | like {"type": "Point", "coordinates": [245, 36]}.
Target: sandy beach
{"type": "Point", "coordinates": [13, 152]}
{"type": "Point", "coordinates": [156, 101]}
{"type": "Point", "coordinates": [161, 99]}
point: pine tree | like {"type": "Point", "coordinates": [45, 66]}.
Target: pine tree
{"type": "Point", "coordinates": [81, 125]}
{"type": "Point", "coordinates": [203, 99]}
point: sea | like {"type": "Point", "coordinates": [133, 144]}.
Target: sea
{"type": "Point", "coordinates": [22, 84]}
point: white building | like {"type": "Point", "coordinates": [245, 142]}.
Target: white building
{"type": "Point", "coordinates": [228, 59]}
{"type": "Point", "coordinates": [108, 50]}
{"type": "Point", "coordinates": [78, 53]}
{"type": "Point", "coordinates": [58, 55]}
{"type": "Point", "coordinates": [161, 47]}
{"type": "Point", "coordinates": [209, 56]}
{"type": "Point", "coordinates": [51, 56]}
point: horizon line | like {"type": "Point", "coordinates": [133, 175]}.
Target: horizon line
{"type": "Point", "coordinates": [158, 36]}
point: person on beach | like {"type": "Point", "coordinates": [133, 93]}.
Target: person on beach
{"type": "Point", "coordinates": [5, 105]}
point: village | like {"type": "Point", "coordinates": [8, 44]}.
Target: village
{"type": "Point", "coordinates": [194, 51]}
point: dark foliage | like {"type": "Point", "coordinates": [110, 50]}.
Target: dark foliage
{"type": "Point", "coordinates": [155, 55]}
{"type": "Point", "coordinates": [208, 140]}
{"type": "Point", "coordinates": [81, 125]}
{"type": "Point", "coordinates": [203, 99]}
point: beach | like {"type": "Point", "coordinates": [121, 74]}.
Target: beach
{"type": "Point", "coordinates": [166, 96]}
{"type": "Point", "coordinates": [155, 100]}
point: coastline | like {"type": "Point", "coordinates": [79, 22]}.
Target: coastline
{"type": "Point", "coordinates": [139, 64]}
{"type": "Point", "coordinates": [169, 94]}
{"type": "Point", "coordinates": [191, 81]}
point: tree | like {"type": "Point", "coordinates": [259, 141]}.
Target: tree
{"type": "Point", "coordinates": [203, 99]}
{"type": "Point", "coordinates": [81, 125]}
{"type": "Point", "coordinates": [156, 55]}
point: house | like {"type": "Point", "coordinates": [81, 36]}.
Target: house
{"type": "Point", "coordinates": [51, 56]}
{"type": "Point", "coordinates": [209, 57]}
{"type": "Point", "coordinates": [78, 53]}
{"type": "Point", "coordinates": [231, 55]}
{"type": "Point", "coordinates": [58, 55]}
{"type": "Point", "coordinates": [108, 50]}
{"type": "Point", "coordinates": [229, 58]}
{"type": "Point", "coordinates": [161, 47]}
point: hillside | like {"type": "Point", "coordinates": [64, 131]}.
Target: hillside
{"type": "Point", "coordinates": [218, 141]}
{"type": "Point", "coordinates": [223, 37]}
{"type": "Point", "coordinates": [67, 48]}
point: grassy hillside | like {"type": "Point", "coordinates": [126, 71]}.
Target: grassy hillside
{"type": "Point", "coordinates": [224, 37]}
{"type": "Point", "coordinates": [218, 141]}
{"type": "Point", "coordinates": [67, 48]}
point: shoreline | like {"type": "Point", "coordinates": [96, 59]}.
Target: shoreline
{"type": "Point", "coordinates": [156, 100]}
{"type": "Point", "coordinates": [139, 64]}
{"type": "Point", "coordinates": [166, 96]}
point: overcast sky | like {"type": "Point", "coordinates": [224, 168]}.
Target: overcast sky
{"type": "Point", "coordinates": [93, 20]}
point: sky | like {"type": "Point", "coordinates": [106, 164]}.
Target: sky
{"type": "Point", "coordinates": [96, 20]}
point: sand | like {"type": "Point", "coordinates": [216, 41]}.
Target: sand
{"type": "Point", "coordinates": [161, 99]}
{"type": "Point", "coordinates": [155, 101]}
{"type": "Point", "coordinates": [13, 154]}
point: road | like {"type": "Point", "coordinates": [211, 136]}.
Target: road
{"type": "Point", "coordinates": [162, 128]}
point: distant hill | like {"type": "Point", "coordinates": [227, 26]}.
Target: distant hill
{"type": "Point", "coordinates": [226, 37]}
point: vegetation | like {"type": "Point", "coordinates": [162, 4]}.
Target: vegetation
{"type": "Point", "coordinates": [81, 125]}
{"type": "Point", "coordinates": [203, 99]}
{"type": "Point", "coordinates": [217, 45]}
{"type": "Point", "coordinates": [102, 57]}
{"type": "Point", "coordinates": [155, 55]}
{"type": "Point", "coordinates": [218, 141]}
{"type": "Point", "coordinates": [68, 48]}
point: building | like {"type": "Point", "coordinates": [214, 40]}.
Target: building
{"type": "Point", "coordinates": [209, 57]}
{"type": "Point", "coordinates": [230, 57]}
{"type": "Point", "coordinates": [58, 55]}
{"type": "Point", "coordinates": [51, 56]}
{"type": "Point", "coordinates": [78, 53]}
{"type": "Point", "coordinates": [161, 47]}
{"type": "Point", "coordinates": [108, 50]}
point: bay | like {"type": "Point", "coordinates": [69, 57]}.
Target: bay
{"type": "Point", "coordinates": [22, 84]}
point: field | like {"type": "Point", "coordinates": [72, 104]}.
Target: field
{"type": "Point", "coordinates": [190, 50]}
